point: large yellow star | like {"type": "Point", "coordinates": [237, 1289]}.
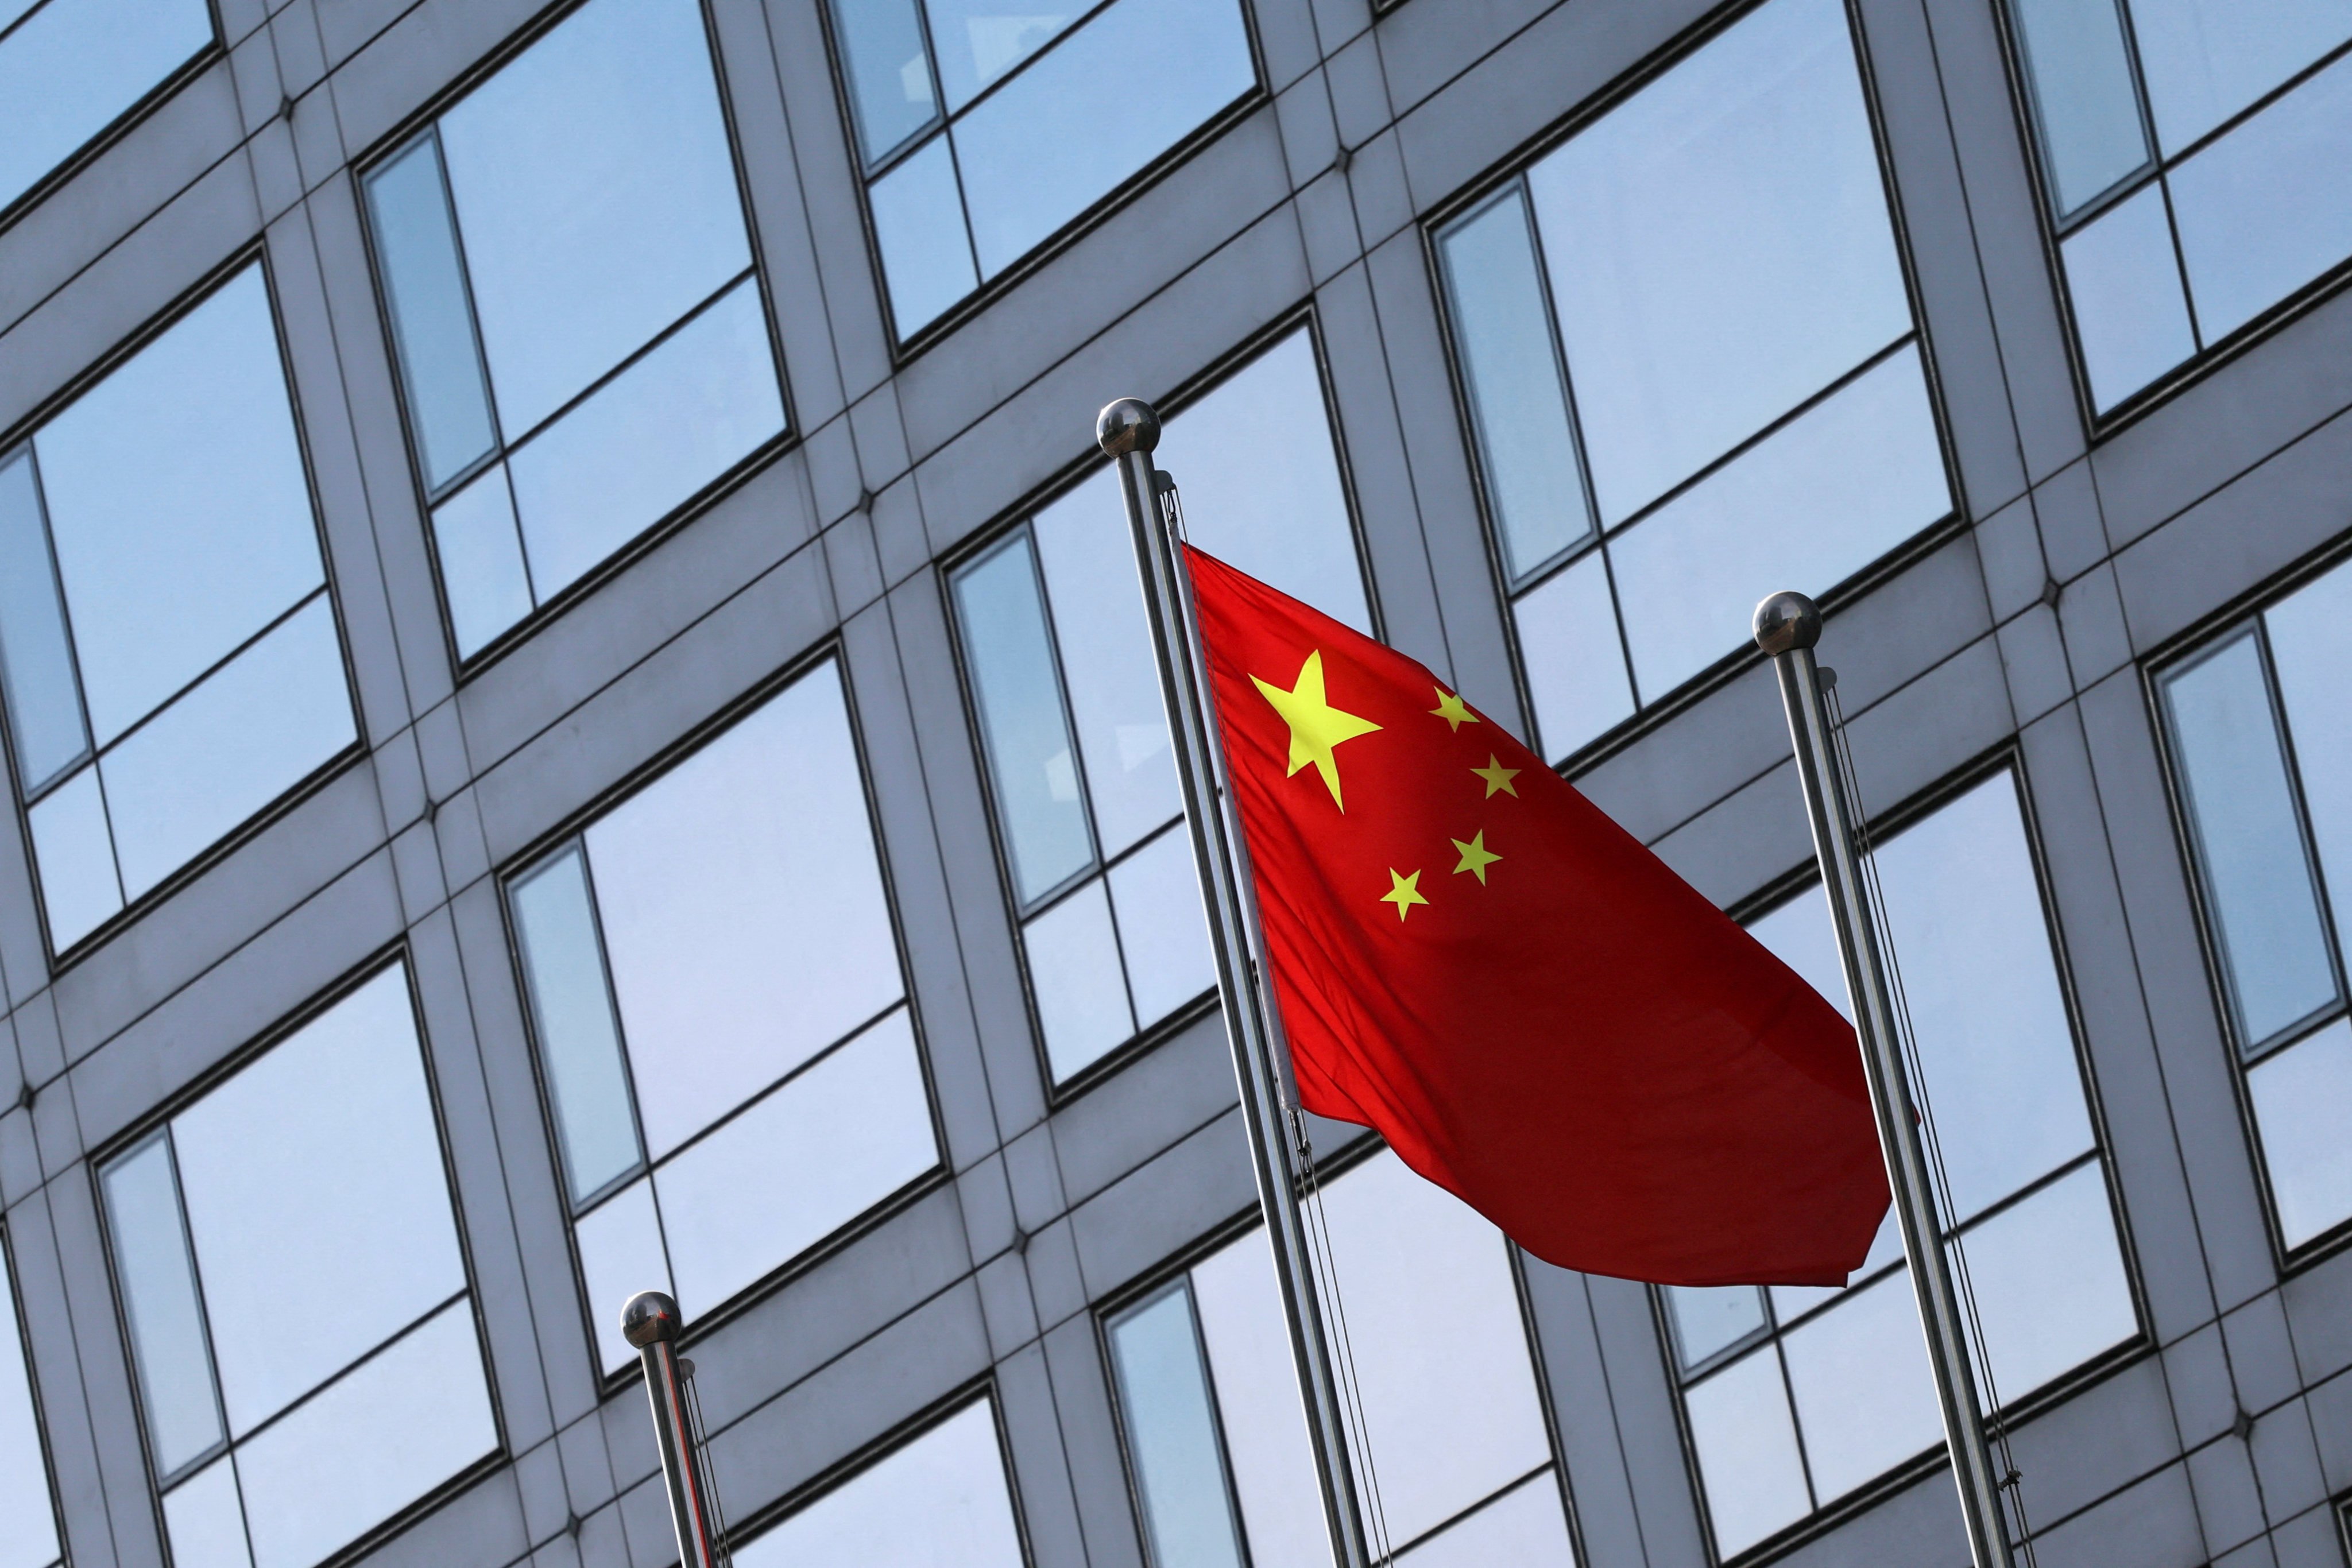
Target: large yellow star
{"type": "Point", "coordinates": [1453, 710]}
{"type": "Point", "coordinates": [1475, 856]}
{"type": "Point", "coordinates": [1497, 777]}
{"type": "Point", "coordinates": [1404, 892]}
{"type": "Point", "coordinates": [1316, 726]}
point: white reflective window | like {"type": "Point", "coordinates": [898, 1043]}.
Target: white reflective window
{"type": "Point", "coordinates": [2262, 760]}
{"type": "Point", "coordinates": [68, 68]}
{"type": "Point", "coordinates": [1691, 369]}
{"type": "Point", "coordinates": [1454, 1416]}
{"type": "Point", "coordinates": [31, 1539]}
{"type": "Point", "coordinates": [1042, 120]}
{"type": "Point", "coordinates": [172, 659]}
{"type": "Point", "coordinates": [1799, 1396]}
{"type": "Point", "coordinates": [581, 339]}
{"type": "Point", "coordinates": [721, 1020]}
{"type": "Point", "coordinates": [2241, 200]}
{"type": "Point", "coordinates": [943, 1501]}
{"type": "Point", "coordinates": [288, 1257]}
{"type": "Point", "coordinates": [1057, 655]}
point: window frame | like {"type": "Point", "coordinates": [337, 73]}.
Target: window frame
{"type": "Point", "coordinates": [12, 1280]}
{"type": "Point", "coordinates": [904, 348]}
{"type": "Point", "coordinates": [1801, 880]}
{"type": "Point", "coordinates": [2243, 616]}
{"type": "Point", "coordinates": [424, 124]}
{"type": "Point", "coordinates": [1490, 187]}
{"type": "Point", "coordinates": [18, 439]}
{"type": "Point", "coordinates": [2209, 357]}
{"type": "Point", "coordinates": [1170, 1281]}
{"type": "Point", "coordinates": [1014, 520]}
{"type": "Point", "coordinates": [570, 831]}
{"type": "Point", "coordinates": [156, 1124]}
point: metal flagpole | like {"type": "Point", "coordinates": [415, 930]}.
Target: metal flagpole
{"type": "Point", "coordinates": [1129, 430]}
{"type": "Point", "coordinates": [1787, 625]}
{"type": "Point", "coordinates": [651, 1321]}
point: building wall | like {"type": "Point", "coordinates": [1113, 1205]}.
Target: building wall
{"type": "Point", "coordinates": [2082, 552]}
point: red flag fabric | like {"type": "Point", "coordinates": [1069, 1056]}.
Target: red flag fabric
{"type": "Point", "coordinates": [1536, 1012]}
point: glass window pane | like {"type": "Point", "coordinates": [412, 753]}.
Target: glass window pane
{"type": "Point", "coordinates": [1523, 1527]}
{"type": "Point", "coordinates": [2311, 647]}
{"type": "Point", "coordinates": [1017, 690]}
{"type": "Point", "coordinates": [796, 1167]}
{"type": "Point", "coordinates": [178, 505]}
{"type": "Point", "coordinates": [1074, 966]}
{"type": "Point", "coordinates": [646, 441]}
{"type": "Point", "coordinates": [2303, 1101]}
{"type": "Point", "coordinates": [36, 653]}
{"type": "Point", "coordinates": [1708, 1320]}
{"type": "Point", "coordinates": [889, 70]}
{"type": "Point", "coordinates": [596, 194]}
{"type": "Point", "coordinates": [31, 1537]}
{"type": "Point", "coordinates": [1256, 1382]}
{"type": "Point", "coordinates": [1074, 125]}
{"type": "Point", "coordinates": [1864, 1398]}
{"type": "Point", "coordinates": [2268, 208]}
{"type": "Point", "coordinates": [1719, 250]}
{"type": "Point", "coordinates": [318, 1202]}
{"type": "Point", "coordinates": [744, 913]}
{"type": "Point", "coordinates": [2130, 314]}
{"type": "Point", "coordinates": [1747, 1444]}
{"type": "Point", "coordinates": [480, 551]}
{"type": "Point", "coordinates": [1574, 661]}
{"type": "Point", "coordinates": [919, 225]}
{"type": "Point", "coordinates": [74, 849]}
{"type": "Point", "coordinates": [2082, 89]}
{"type": "Point", "coordinates": [980, 40]}
{"type": "Point", "coordinates": [205, 1520]}
{"type": "Point", "coordinates": [579, 1045]}
{"type": "Point", "coordinates": [1088, 556]}
{"type": "Point", "coordinates": [1156, 894]}
{"type": "Point", "coordinates": [1812, 503]}
{"type": "Point", "coordinates": [432, 318]}
{"type": "Point", "coordinates": [159, 1301]}
{"type": "Point", "coordinates": [2050, 1284]}
{"type": "Point", "coordinates": [1995, 1045]}
{"type": "Point", "coordinates": [1535, 482]}
{"type": "Point", "coordinates": [1260, 480]}
{"type": "Point", "coordinates": [1172, 1435]}
{"type": "Point", "coordinates": [2207, 59]}
{"type": "Point", "coordinates": [69, 71]}
{"type": "Point", "coordinates": [943, 1498]}
{"type": "Point", "coordinates": [620, 1254]}
{"type": "Point", "coordinates": [2249, 845]}
{"type": "Point", "coordinates": [390, 1430]}
{"type": "Point", "coordinates": [250, 731]}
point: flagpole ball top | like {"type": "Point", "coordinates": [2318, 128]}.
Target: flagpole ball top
{"type": "Point", "coordinates": [1787, 621]}
{"type": "Point", "coordinates": [650, 1315]}
{"type": "Point", "coordinates": [1130, 424]}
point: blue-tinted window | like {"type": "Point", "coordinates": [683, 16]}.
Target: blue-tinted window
{"type": "Point", "coordinates": [1048, 110]}
{"type": "Point", "coordinates": [581, 344]}
{"type": "Point", "coordinates": [171, 659]}
{"type": "Point", "coordinates": [2196, 152]}
{"type": "Point", "coordinates": [1692, 371]}
{"type": "Point", "coordinates": [68, 68]}
{"type": "Point", "coordinates": [32, 1538]}
{"type": "Point", "coordinates": [2262, 760]}
{"type": "Point", "coordinates": [1799, 1396]}
{"type": "Point", "coordinates": [1058, 657]}
{"type": "Point", "coordinates": [944, 1497]}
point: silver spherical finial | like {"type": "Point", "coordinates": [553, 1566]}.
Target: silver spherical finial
{"type": "Point", "coordinates": [1130, 424]}
{"type": "Point", "coordinates": [1787, 621]}
{"type": "Point", "coordinates": [650, 1315]}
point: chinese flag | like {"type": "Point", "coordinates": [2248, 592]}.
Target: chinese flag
{"type": "Point", "coordinates": [1536, 1013]}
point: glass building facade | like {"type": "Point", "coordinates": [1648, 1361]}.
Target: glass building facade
{"type": "Point", "coordinates": [579, 719]}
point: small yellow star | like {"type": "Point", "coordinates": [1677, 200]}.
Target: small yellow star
{"type": "Point", "coordinates": [1475, 856]}
{"type": "Point", "coordinates": [1316, 726]}
{"type": "Point", "coordinates": [1497, 777]}
{"type": "Point", "coordinates": [1404, 892]}
{"type": "Point", "coordinates": [1453, 710]}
